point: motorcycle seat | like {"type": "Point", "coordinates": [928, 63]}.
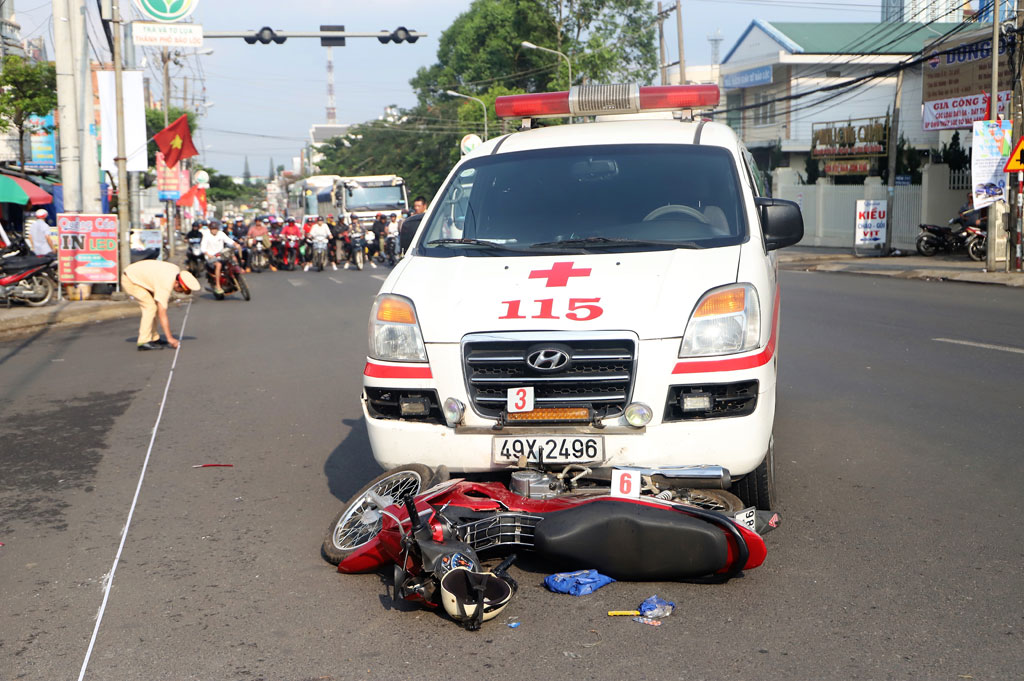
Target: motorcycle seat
{"type": "Point", "coordinates": [19, 263]}
{"type": "Point", "coordinates": [626, 540]}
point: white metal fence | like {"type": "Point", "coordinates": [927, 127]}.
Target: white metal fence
{"type": "Point", "coordinates": [960, 180]}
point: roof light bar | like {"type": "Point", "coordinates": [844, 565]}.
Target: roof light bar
{"type": "Point", "coordinates": [593, 100]}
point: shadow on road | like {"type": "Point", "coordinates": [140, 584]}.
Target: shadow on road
{"type": "Point", "coordinates": [351, 465]}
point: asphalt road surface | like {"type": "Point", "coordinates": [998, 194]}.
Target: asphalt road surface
{"type": "Point", "coordinates": [900, 478]}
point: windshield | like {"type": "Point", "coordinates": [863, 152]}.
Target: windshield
{"type": "Point", "coordinates": [607, 198]}
{"type": "Point", "coordinates": [360, 198]}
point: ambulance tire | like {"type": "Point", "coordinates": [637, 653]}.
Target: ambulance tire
{"type": "Point", "coordinates": [757, 488]}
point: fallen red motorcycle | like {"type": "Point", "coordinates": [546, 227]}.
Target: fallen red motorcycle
{"type": "Point", "coordinates": [418, 520]}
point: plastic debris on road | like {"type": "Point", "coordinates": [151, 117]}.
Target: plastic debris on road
{"type": "Point", "coordinates": [513, 625]}
{"type": "Point", "coordinates": [655, 607]}
{"type": "Point", "coordinates": [214, 465]}
{"type": "Point", "coordinates": [579, 583]}
{"type": "Point", "coordinates": [630, 613]}
{"type": "Point", "coordinates": [647, 620]}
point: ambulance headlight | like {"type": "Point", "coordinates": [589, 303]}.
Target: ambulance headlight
{"type": "Point", "coordinates": [727, 320]}
{"type": "Point", "coordinates": [394, 331]}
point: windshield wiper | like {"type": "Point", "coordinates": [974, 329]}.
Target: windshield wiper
{"type": "Point", "coordinates": [472, 242]}
{"type": "Point", "coordinates": [599, 241]}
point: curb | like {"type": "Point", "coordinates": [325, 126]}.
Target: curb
{"type": "Point", "coordinates": [65, 314]}
{"type": "Point", "coordinates": [990, 278]}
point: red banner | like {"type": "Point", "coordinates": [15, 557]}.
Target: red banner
{"type": "Point", "coordinates": [87, 248]}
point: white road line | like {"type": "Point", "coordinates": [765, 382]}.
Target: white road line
{"type": "Point", "coordinates": [131, 511]}
{"type": "Point", "coordinates": [986, 346]}
{"type": "Point", "coordinates": [381, 277]}
{"type": "Point", "coordinates": [296, 282]}
{"type": "Point", "coordinates": [336, 281]}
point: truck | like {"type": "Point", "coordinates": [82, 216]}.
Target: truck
{"type": "Point", "coordinates": [364, 195]}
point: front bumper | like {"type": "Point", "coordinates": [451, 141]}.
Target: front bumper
{"type": "Point", "coordinates": [737, 443]}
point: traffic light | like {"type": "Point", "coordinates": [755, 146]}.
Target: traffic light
{"type": "Point", "coordinates": [400, 34]}
{"type": "Point", "coordinates": [332, 42]}
{"type": "Point", "coordinates": [265, 35]}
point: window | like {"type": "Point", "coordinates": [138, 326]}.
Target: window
{"type": "Point", "coordinates": [608, 197]}
{"type": "Point", "coordinates": [764, 114]}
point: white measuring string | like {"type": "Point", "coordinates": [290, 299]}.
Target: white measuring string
{"type": "Point", "coordinates": [135, 500]}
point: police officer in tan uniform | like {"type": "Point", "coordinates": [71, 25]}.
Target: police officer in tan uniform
{"type": "Point", "coordinates": [150, 283]}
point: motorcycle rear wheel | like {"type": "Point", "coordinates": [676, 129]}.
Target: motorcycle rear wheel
{"type": "Point", "coordinates": [926, 245]}
{"type": "Point", "coordinates": [354, 526]}
{"type": "Point", "coordinates": [43, 290]}
{"type": "Point", "coordinates": [976, 248]}
{"type": "Point", "coordinates": [243, 286]}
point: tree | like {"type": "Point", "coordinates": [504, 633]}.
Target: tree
{"type": "Point", "coordinates": [155, 123]}
{"type": "Point", "coordinates": [27, 91]}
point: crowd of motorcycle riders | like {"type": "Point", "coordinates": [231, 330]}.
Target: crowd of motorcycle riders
{"type": "Point", "coordinates": [274, 243]}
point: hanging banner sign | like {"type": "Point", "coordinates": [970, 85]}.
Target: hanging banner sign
{"type": "Point", "coordinates": [150, 34]}
{"type": "Point", "coordinates": [87, 248]}
{"type": "Point", "coordinates": [43, 145]}
{"type": "Point", "coordinates": [990, 151]}
{"type": "Point", "coordinates": [870, 229]}
{"type": "Point", "coordinates": [957, 75]}
{"type": "Point", "coordinates": [168, 180]}
{"type": "Point", "coordinates": [166, 11]}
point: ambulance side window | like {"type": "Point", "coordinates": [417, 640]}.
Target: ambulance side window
{"type": "Point", "coordinates": [754, 174]}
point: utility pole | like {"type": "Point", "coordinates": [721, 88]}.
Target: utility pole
{"type": "Point", "coordinates": [894, 136]}
{"type": "Point", "coordinates": [991, 255]}
{"type": "Point", "coordinates": [679, 30]}
{"type": "Point", "coordinates": [661, 43]}
{"type": "Point", "coordinates": [134, 190]}
{"type": "Point", "coordinates": [123, 200]}
{"type": "Point", "coordinates": [67, 108]}
{"type": "Point", "coordinates": [89, 160]}
{"type": "Point", "coordinates": [1018, 131]}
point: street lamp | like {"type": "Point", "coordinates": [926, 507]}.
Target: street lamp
{"type": "Point", "coordinates": [527, 44]}
{"type": "Point", "coordinates": [452, 93]}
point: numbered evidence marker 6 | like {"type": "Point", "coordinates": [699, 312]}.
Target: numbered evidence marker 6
{"type": "Point", "coordinates": [519, 400]}
{"type": "Point", "coordinates": [625, 484]}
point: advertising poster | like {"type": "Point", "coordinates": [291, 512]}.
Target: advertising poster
{"type": "Point", "coordinates": [87, 248]}
{"type": "Point", "coordinates": [958, 75]}
{"type": "Point", "coordinates": [167, 180]}
{"type": "Point", "coordinates": [990, 150]}
{"type": "Point", "coordinates": [43, 143]}
{"type": "Point", "coordinates": [870, 223]}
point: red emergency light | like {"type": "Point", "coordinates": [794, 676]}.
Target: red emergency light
{"type": "Point", "coordinates": [594, 100]}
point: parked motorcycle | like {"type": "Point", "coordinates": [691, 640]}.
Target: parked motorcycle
{"type": "Point", "coordinates": [417, 519]}
{"type": "Point", "coordinates": [319, 259]}
{"type": "Point", "coordinates": [29, 279]}
{"type": "Point", "coordinates": [231, 277]}
{"type": "Point", "coordinates": [935, 238]}
{"type": "Point", "coordinates": [195, 261]}
{"type": "Point", "coordinates": [977, 243]}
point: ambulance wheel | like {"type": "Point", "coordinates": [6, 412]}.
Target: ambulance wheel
{"type": "Point", "coordinates": [757, 488]}
{"type": "Point", "coordinates": [360, 521]}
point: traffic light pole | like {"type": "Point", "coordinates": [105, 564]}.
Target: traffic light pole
{"type": "Point", "coordinates": [281, 36]}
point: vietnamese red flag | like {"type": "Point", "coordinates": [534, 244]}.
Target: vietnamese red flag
{"type": "Point", "coordinates": [188, 199]}
{"type": "Point", "coordinates": [175, 142]}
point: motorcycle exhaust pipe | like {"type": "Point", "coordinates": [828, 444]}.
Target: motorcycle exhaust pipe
{"type": "Point", "coordinates": [693, 477]}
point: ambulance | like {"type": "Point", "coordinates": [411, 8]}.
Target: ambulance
{"type": "Point", "coordinates": [596, 294]}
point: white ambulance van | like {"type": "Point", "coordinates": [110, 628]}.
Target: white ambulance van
{"type": "Point", "coordinates": [602, 294]}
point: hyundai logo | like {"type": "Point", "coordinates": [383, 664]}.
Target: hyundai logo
{"type": "Point", "coordinates": [548, 359]}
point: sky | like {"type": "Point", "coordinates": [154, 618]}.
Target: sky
{"type": "Point", "coordinates": [263, 99]}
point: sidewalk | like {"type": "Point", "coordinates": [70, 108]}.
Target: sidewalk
{"type": "Point", "coordinates": [956, 267]}
{"type": "Point", "coordinates": [22, 320]}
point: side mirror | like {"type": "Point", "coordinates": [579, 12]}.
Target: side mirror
{"type": "Point", "coordinates": [408, 231]}
{"type": "Point", "coordinates": [781, 222]}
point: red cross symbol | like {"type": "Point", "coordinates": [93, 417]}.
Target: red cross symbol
{"type": "Point", "coordinates": [559, 274]}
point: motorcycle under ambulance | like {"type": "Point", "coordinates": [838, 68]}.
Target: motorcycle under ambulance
{"type": "Point", "coordinates": [596, 295]}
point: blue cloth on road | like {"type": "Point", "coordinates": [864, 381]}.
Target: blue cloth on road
{"type": "Point", "coordinates": [578, 583]}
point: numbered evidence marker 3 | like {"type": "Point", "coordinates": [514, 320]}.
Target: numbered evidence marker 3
{"type": "Point", "coordinates": [519, 400]}
{"type": "Point", "coordinates": [625, 484]}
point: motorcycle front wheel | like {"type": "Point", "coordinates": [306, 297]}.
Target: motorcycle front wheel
{"type": "Point", "coordinates": [243, 286]}
{"type": "Point", "coordinates": [43, 291]}
{"type": "Point", "coordinates": [360, 521]}
{"type": "Point", "coordinates": [926, 245]}
{"type": "Point", "coordinates": [976, 248]}
{"type": "Point", "coordinates": [359, 259]}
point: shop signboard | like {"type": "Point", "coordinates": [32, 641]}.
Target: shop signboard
{"type": "Point", "coordinates": [990, 150]}
{"type": "Point", "coordinates": [848, 166]}
{"type": "Point", "coordinates": [166, 11]}
{"type": "Point", "coordinates": [957, 77]}
{"type": "Point", "coordinates": [87, 248]}
{"type": "Point", "coordinates": [167, 180]}
{"type": "Point", "coordinates": [762, 75]}
{"type": "Point", "coordinates": [856, 137]}
{"type": "Point", "coordinates": [152, 34]}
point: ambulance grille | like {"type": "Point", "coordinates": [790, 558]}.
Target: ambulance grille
{"type": "Point", "coordinates": [598, 375]}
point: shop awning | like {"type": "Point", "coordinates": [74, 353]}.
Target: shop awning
{"type": "Point", "coordinates": [21, 191]}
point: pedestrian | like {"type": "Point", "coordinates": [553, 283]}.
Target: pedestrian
{"type": "Point", "coordinates": [150, 283]}
{"type": "Point", "coordinates": [419, 205]}
{"type": "Point", "coordinates": [43, 242]}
